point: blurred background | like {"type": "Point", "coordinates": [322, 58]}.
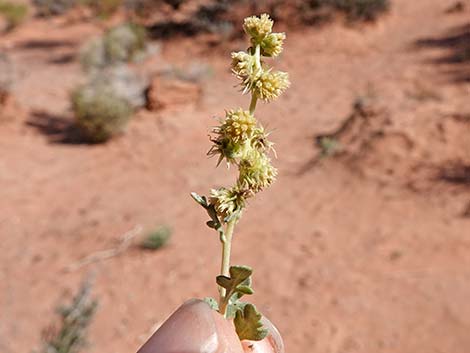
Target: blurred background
{"type": "Point", "coordinates": [362, 245]}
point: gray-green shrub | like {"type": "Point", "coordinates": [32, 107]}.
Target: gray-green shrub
{"type": "Point", "coordinates": [100, 113]}
{"type": "Point", "coordinates": [120, 44]}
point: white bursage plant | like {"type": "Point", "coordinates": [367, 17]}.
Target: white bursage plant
{"type": "Point", "coordinates": [242, 141]}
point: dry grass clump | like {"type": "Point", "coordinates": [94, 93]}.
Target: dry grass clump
{"type": "Point", "coordinates": [70, 336]}
{"type": "Point", "coordinates": [14, 14]}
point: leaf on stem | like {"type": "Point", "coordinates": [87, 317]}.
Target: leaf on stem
{"type": "Point", "coordinates": [212, 303]}
{"type": "Point", "coordinates": [202, 200]}
{"type": "Point", "coordinates": [248, 324]}
{"type": "Point", "coordinates": [214, 223]}
{"type": "Point", "coordinates": [238, 284]}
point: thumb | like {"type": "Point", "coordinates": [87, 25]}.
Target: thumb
{"type": "Point", "coordinates": [196, 328]}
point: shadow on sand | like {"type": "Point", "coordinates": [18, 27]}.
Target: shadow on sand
{"type": "Point", "coordinates": [456, 42]}
{"type": "Point", "coordinates": [57, 129]}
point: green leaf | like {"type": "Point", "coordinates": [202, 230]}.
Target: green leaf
{"type": "Point", "coordinates": [245, 290]}
{"type": "Point", "coordinates": [199, 199]}
{"type": "Point", "coordinates": [242, 290]}
{"type": "Point", "coordinates": [214, 223]}
{"type": "Point", "coordinates": [224, 282]}
{"type": "Point", "coordinates": [238, 284]}
{"type": "Point", "coordinates": [212, 303]}
{"type": "Point", "coordinates": [248, 324]}
{"type": "Point", "coordinates": [240, 273]}
{"type": "Point", "coordinates": [233, 307]}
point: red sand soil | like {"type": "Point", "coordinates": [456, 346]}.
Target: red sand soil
{"type": "Point", "coordinates": [362, 253]}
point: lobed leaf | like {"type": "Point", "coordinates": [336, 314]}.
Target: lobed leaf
{"type": "Point", "coordinates": [238, 284]}
{"type": "Point", "coordinates": [248, 324]}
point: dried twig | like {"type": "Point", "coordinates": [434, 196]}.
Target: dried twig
{"type": "Point", "coordinates": [102, 255]}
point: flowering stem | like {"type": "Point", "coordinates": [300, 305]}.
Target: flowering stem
{"type": "Point", "coordinates": [258, 57]}
{"type": "Point", "coordinates": [224, 270]}
{"type": "Point", "coordinates": [254, 99]}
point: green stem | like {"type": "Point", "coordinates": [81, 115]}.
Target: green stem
{"type": "Point", "coordinates": [254, 99]}
{"type": "Point", "coordinates": [258, 56]}
{"type": "Point", "coordinates": [225, 266]}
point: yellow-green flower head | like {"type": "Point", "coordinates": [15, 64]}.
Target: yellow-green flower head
{"type": "Point", "coordinates": [239, 125]}
{"type": "Point", "coordinates": [258, 27]}
{"type": "Point", "coordinates": [244, 67]}
{"type": "Point", "coordinates": [227, 202]}
{"type": "Point", "coordinates": [270, 85]}
{"type": "Point", "coordinates": [272, 44]}
{"type": "Point", "coordinates": [256, 171]}
{"type": "Point", "coordinates": [233, 135]}
{"type": "Point", "coordinates": [243, 64]}
{"type": "Point", "coordinates": [259, 140]}
{"type": "Point", "coordinates": [226, 149]}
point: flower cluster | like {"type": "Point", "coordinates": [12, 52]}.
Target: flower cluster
{"type": "Point", "coordinates": [228, 202]}
{"type": "Point", "coordinates": [237, 135]}
{"type": "Point", "coordinates": [270, 85]}
{"type": "Point", "coordinates": [239, 139]}
{"type": "Point", "coordinates": [256, 77]}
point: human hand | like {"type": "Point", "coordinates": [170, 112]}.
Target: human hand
{"type": "Point", "coordinates": [196, 328]}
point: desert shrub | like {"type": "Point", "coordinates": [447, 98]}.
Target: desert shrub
{"type": "Point", "coordinates": [355, 10]}
{"type": "Point", "coordinates": [104, 105]}
{"type": "Point", "coordinates": [156, 239]}
{"type": "Point", "coordinates": [75, 319]}
{"type": "Point", "coordinates": [120, 44]}
{"type": "Point", "coordinates": [211, 16]}
{"type": "Point", "coordinates": [92, 55]}
{"type": "Point", "coordinates": [14, 14]}
{"type": "Point", "coordinates": [124, 82]}
{"type": "Point", "coordinates": [362, 9]}
{"type": "Point", "coordinates": [103, 8]}
{"type": "Point", "coordinates": [100, 113]}
{"type": "Point", "coordinates": [6, 77]}
{"type": "Point", "coordinates": [53, 7]}
{"type": "Point", "coordinates": [124, 42]}
{"type": "Point", "coordinates": [142, 7]}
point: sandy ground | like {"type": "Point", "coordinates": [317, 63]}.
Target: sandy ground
{"type": "Point", "coordinates": [367, 252]}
